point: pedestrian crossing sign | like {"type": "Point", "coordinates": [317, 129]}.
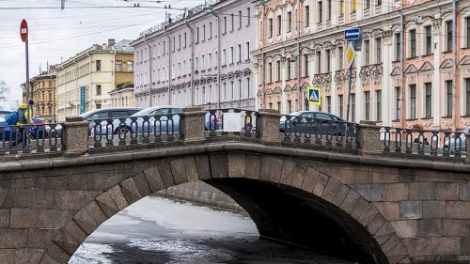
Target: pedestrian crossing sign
{"type": "Point", "coordinates": [314, 95]}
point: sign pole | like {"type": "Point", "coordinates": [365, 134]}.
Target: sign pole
{"type": "Point", "coordinates": [349, 94]}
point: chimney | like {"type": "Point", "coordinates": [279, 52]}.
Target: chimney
{"type": "Point", "coordinates": [111, 42]}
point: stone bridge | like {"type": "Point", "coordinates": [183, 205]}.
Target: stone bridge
{"type": "Point", "coordinates": [365, 204]}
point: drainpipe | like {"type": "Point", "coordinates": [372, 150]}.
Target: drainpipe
{"type": "Point", "coordinates": [301, 102]}
{"type": "Point", "coordinates": [219, 46]}
{"type": "Point", "coordinates": [169, 66]}
{"type": "Point", "coordinates": [191, 35]}
{"type": "Point", "coordinates": [263, 56]}
{"type": "Point", "coordinates": [402, 65]}
{"type": "Point", "coordinates": [454, 76]}
{"type": "Point", "coordinates": [150, 72]}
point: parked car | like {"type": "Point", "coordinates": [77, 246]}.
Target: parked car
{"type": "Point", "coordinates": [165, 111]}
{"type": "Point", "coordinates": [451, 143]}
{"type": "Point", "coordinates": [114, 113]}
{"type": "Point", "coordinates": [317, 122]}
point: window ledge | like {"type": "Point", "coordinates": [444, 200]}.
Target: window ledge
{"type": "Point", "coordinates": [465, 116]}
{"type": "Point", "coordinates": [411, 119]}
{"type": "Point", "coordinates": [446, 116]}
{"type": "Point", "coordinates": [396, 120]}
{"type": "Point", "coordinates": [427, 118]}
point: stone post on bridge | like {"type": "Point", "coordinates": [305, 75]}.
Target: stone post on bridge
{"type": "Point", "coordinates": [75, 136]}
{"type": "Point", "coordinates": [368, 139]}
{"type": "Point", "coordinates": [192, 124]}
{"type": "Point", "coordinates": [268, 126]}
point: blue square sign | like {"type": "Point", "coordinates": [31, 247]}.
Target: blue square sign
{"type": "Point", "coordinates": [314, 95]}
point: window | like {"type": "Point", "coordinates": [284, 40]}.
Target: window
{"type": "Point", "coordinates": [174, 44]}
{"type": "Point", "coordinates": [98, 65]}
{"type": "Point", "coordinates": [98, 89]}
{"type": "Point", "coordinates": [279, 25]}
{"type": "Point", "coordinates": [397, 103]}
{"type": "Point", "coordinates": [248, 87]}
{"type": "Point", "coordinates": [397, 46]}
{"type": "Point", "coordinates": [239, 53]}
{"type": "Point", "coordinates": [307, 17]}
{"type": "Point", "coordinates": [320, 12]}
{"type": "Point", "coordinates": [306, 65]}
{"type": "Point", "coordinates": [328, 18]}
{"type": "Point", "coordinates": [248, 16]}
{"type": "Point", "coordinates": [341, 106]}
{"type": "Point", "coordinates": [232, 18]}
{"type": "Point", "coordinates": [164, 47]}
{"type": "Point", "coordinates": [340, 58]}
{"type": "Point", "coordinates": [225, 24]}
{"type": "Point", "coordinates": [449, 35]}
{"type": "Point", "coordinates": [449, 98]}
{"type": "Point", "coordinates": [278, 70]}
{"type": "Point", "coordinates": [289, 70]}
{"type": "Point", "coordinates": [367, 105]}
{"type": "Point", "coordinates": [467, 97]}
{"type": "Point", "coordinates": [328, 61]}
{"type": "Point", "coordinates": [328, 104]}
{"type": "Point", "coordinates": [197, 35]}
{"type": "Point", "coordinates": [367, 4]}
{"type": "Point", "coordinates": [270, 26]}
{"type": "Point", "coordinates": [224, 57]}
{"type": "Point", "coordinates": [428, 40]}
{"type": "Point", "coordinates": [467, 32]}
{"type": "Point", "coordinates": [240, 20]}
{"type": "Point", "coordinates": [185, 39]}
{"type": "Point", "coordinates": [428, 100]}
{"type": "Point", "coordinates": [341, 8]}
{"type": "Point", "coordinates": [289, 106]}
{"type": "Point", "coordinates": [278, 105]}
{"type": "Point", "coordinates": [118, 66]}
{"type": "Point", "coordinates": [270, 72]}
{"type": "Point", "coordinates": [204, 33]}
{"type": "Point", "coordinates": [247, 45]}
{"type": "Point", "coordinates": [353, 6]}
{"type": "Point", "coordinates": [412, 43]}
{"type": "Point", "coordinates": [413, 101]}
{"type": "Point", "coordinates": [379, 2]}
{"type": "Point", "coordinates": [378, 46]}
{"type": "Point", "coordinates": [231, 55]}
{"type": "Point", "coordinates": [318, 61]}
{"type": "Point", "coordinates": [379, 105]}
{"type": "Point", "coordinates": [289, 22]}
{"type": "Point", "coordinates": [367, 52]}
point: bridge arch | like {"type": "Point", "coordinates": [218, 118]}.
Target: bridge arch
{"type": "Point", "coordinates": [289, 199]}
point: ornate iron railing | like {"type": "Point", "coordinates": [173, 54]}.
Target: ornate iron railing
{"type": "Point", "coordinates": [31, 139]}
{"type": "Point", "coordinates": [420, 142]}
{"type": "Point", "coordinates": [144, 130]}
{"type": "Point", "coordinates": [219, 123]}
{"type": "Point", "coordinates": [372, 71]}
{"type": "Point", "coordinates": [319, 133]}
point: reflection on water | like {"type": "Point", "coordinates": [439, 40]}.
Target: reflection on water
{"type": "Point", "coordinates": [157, 230]}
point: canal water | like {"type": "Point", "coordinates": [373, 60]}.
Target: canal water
{"type": "Point", "coordinates": [158, 230]}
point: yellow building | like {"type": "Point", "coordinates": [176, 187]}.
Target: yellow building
{"type": "Point", "coordinates": [44, 91]}
{"type": "Point", "coordinates": [84, 82]}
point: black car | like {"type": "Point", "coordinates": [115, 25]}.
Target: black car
{"type": "Point", "coordinates": [315, 122]}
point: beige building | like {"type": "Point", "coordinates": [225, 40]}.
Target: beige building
{"type": "Point", "coordinates": [44, 90]}
{"type": "Point", "coordinates": [123, 96]}
{"type": "Point", "coordinates": [85, 81]}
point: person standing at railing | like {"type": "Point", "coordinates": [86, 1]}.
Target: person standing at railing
{"type": "Point", "coordinates": [25, 118]}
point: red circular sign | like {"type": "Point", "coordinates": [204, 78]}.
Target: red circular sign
{"type": "Point", "coordinates": [24, 30]}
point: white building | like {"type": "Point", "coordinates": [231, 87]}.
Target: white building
{"type": "Point", "coordinates": [201, 58]}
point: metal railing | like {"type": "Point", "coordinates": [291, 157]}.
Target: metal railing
{"type": "Point", "coordinates": [319, 133]}
{"type": "Point", "coordinates": [436, 143]}
{"type": "Point", "coordinates": [31, 139]}
{"type": "Point", "coordinates": [231, 120]}
{"type": "Point", "coordinates": [143, 130]}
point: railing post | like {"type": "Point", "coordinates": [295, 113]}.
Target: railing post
{"type": "Point", "coordinates": [268, 126]}
{"type": "Point", "coordinates": [75, 136]}
{"type": "Point", "coordinates": [192, 124]}
{"type": "Point", "coordinates": [368, 139]}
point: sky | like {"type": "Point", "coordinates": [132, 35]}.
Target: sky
{"type": "Point", "coordinates": [56, 35]}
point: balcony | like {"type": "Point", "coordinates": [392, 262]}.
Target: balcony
{"type": "Point", "coordinates": [371, 72]}
{"type": "Point", "coordinates": [322, 79]}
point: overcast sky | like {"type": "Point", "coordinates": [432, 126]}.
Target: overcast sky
{"type": "Point", "coordinates": [56, 34]}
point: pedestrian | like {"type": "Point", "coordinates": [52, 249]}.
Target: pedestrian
{"type": "Point", "coordinates": [25, 118]}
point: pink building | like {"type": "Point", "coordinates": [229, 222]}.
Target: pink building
{"type": "Point", "coordinates": [413, 70]}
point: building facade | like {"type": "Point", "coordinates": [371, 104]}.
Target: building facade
{"type": "Point", "coordinates": [84, 82]}
{"type": "Point", "coordinates": [43, 94]}
{"type": "Point", "coordinates": [123, 96]}
{"type": "Point", "coordinates": [413, 69]}
{"type": "Point", "coordinates": [201, 58]}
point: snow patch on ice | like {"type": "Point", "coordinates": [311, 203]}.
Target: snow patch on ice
{"type": "Point", "coordinates": [92, 253]}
